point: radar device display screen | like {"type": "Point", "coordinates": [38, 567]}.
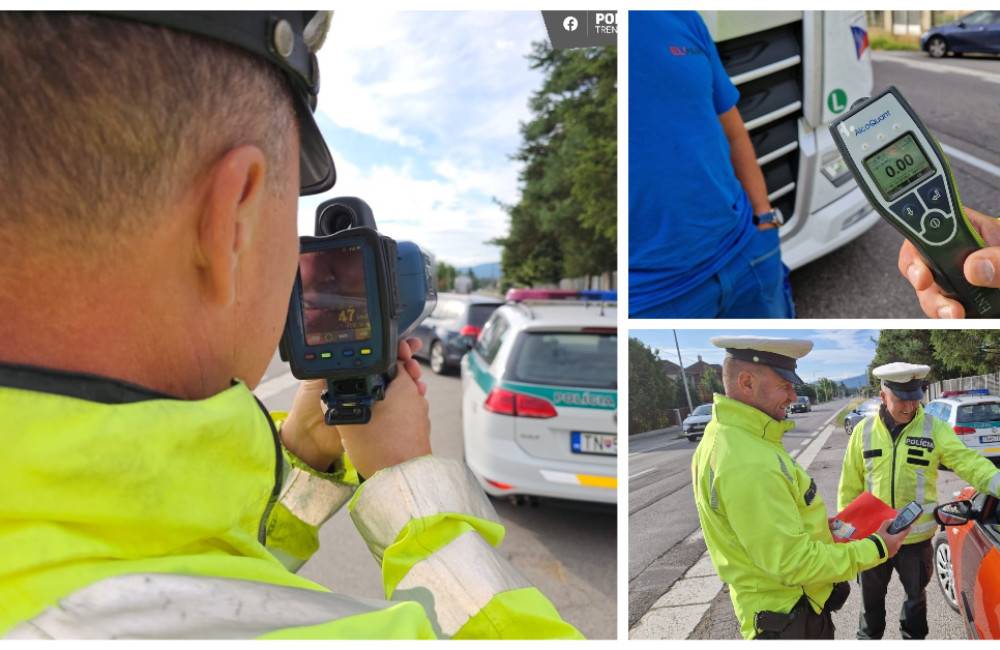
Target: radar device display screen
{"type": "Point", "coordinates": [898, 166]}
{"type": "Point", "coordinates": [334, 296]}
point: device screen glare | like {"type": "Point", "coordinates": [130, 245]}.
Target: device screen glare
{"type": "Point", "coordinates": [898, 165]}
{"type": "Point", "coordinates": [334, 296]}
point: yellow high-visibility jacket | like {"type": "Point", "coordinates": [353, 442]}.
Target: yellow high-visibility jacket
{"type": "Point", "coordinates": [128, 514]}
{"type": "Point", "coordinates": [907, 469]}
{"type": "Point", "coordinates": [764, 522]}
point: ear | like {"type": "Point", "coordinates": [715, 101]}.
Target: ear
{"type": "Point", "coordinates": [745, 381]}
{"type": "Point", "coordinates": [229, 213]}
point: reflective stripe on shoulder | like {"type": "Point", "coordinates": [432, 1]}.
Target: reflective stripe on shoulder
{"type": "Point", "coordinates": [928, 425]}
{"type": "Point", "coordinates": [866, 439]}
{"type": "Point", "coordinates": [994, 485]}
{"type": "Point", "coordinates": [167, 606]}
{"type": "Point", "coordinates": [313, 499]}
{"type": "Point", "coordinates": [457, 581]}
{"type": "Point", "coordinates": [784, 470]}
{"type": "Point", "coordinates": [713, 500]}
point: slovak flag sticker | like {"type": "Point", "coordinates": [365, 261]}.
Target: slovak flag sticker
{"type": "Point", "coordinates": [860, 39]}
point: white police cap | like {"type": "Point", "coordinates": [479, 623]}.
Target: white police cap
{"type": "Point", "coordinates": [906, 380]}
{"type": "Point", "coordinates": [779, 354]}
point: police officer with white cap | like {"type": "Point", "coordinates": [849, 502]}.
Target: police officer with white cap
{"type": "Point", "coordinates": [895, 456]}
{"type": "Point", "coordinates": [765, 524]}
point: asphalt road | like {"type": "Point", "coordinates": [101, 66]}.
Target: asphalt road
{"type": "Point", "coordinates": [662, 516]}
{"type": "Point", "coordinates": [959, 100]}
{"type": "Point", "coordinates": [566, 549]}
{"type": "Point", "coordinates": [713, 614]}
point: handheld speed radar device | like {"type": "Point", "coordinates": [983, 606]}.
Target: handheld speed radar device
{"type": "Point", "coordinates": [357, 293]}
{"type": "Point", "coordinates": [901, 169]}
{"type": "Point", "coordinates": [905, 517]}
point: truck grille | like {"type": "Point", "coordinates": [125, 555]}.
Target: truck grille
{"type": "Point", "coordinates": [766, 67]}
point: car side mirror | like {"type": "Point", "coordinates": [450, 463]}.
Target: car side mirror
{"type": "Point", "coordinates": [955, 513]}
{"type": "Point", "coordinates": [961, 24]}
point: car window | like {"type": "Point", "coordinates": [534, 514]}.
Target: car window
{"type": "Point", "coordinates": [985, 412]}
{"type": "Point", "coordinates": [704, 409]}
{"type": "Point", "coordinates": [978, 18]}
{"type": "Point", "coordinates": [567, 359]}
{"type": "Point", "coordinates": [489, 341]}
{"type": "Point", "coordinates": [479, 314]}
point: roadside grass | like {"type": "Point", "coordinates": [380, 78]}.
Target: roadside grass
{"type": "Point", "coordinates": [884, 41]}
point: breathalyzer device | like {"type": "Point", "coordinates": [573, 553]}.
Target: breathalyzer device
{"type": "Point", "coordinates": [905, 517]}
{"type": "Point", "coordinates": [357, 293]}
{"type": "Point", "coordinates": [906, 177]}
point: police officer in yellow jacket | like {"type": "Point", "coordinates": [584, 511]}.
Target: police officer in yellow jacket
{"type": "Point", "coordinates": [152, 163]}
{"type": "Point", "coordinates": [895, 456]}
{"type": "Point", "coordinates": [764, 522]}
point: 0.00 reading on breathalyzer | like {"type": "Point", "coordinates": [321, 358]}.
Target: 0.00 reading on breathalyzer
{"type": "Point", "coordinates": [898, 165]}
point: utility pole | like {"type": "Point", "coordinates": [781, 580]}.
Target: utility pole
{"type": "Point", "coordinates": [687, 393]}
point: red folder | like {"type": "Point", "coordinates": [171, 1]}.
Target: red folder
{"type": "Point", "coordinates": [860, 518]}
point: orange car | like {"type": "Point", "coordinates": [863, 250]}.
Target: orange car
{"type": "Point", "coordinates": [967, 561]}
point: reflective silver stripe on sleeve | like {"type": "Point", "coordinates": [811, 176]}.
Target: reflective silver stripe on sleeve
{"type": "Point", "coordinates": [928, 426]}
{"type": "Point", "coordinates": [994, 485]}
{"type": "Point", "coordinates": [457, 581]}
{"type": "Point", "coordinates": [784, 470]}
{"type": "Point", "coordinates": [418, 488]}
{"type": "Point", "coordinates": [866, 434]}
{"type": "Point", "coordinates": [713, 501]}
{"type": "Point", "coordinates": [168, 606]}
{"type": "Point", "coordinates": [919, 494]}
{"type": "Point", "coordinates": [920, 529]}
{"type": "Point", "coordinates": [311, 498]}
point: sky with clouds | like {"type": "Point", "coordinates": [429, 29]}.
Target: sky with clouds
{"type": "Point", "coordinates": [421, 111]}
{"type": "Point", "coordinates": [837, 354]}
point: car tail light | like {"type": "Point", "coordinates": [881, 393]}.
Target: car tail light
{"type": "Point", "coordinates": [505, 402]}
{"type": "Point", "coordinates": [499, 485]}
{"type": "Point", "coordinates": [470, 330]}
{"type": "Point", "coordinates": [964, 430]}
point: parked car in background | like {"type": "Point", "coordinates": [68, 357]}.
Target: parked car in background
{"type": "Point", "coordinates": [967, 561]}
{"type": "Point", "coordinates": [451, 329]}
{"type": "Point", "coordinates": [860, 412]}
{"type": "Point", "coordinates": [978, 32]}
{"type": "Point", "coordinates": [540, 398]}
{"type": "Point", "coordinates": [800, 405]}
{"type": "Point", "coordinates": [974, 416]}
{"type": "Point", "coordinates": [694, 424]}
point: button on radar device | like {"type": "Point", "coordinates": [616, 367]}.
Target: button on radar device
{"type": "Point", "coordinates": [906, 177]}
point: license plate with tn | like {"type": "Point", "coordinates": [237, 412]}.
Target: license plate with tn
{"type": "Point", "coordinates": [604, 444]}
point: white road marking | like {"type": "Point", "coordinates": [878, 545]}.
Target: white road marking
{"type": "Point", "coordinates": [642, 473]}
{"type": "Point", "coordinates": [971, 160]}
{"type": "Point", "coordinates": [925, 65]}
{"type": "Point", "coordinates": [681, 608]}
{"type": "Point", "coordinates": [272, 387]}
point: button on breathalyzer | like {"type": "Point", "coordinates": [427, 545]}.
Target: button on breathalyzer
{"type": "Point", "coordinates": [901, 169]}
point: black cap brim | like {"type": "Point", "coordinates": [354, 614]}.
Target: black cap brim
{"type": "Point", "coordinates": [908, 395]}
{"type": "Point", "coordinates": [316, 171]}
{"type": "Point", "coordinates": [788, 375]}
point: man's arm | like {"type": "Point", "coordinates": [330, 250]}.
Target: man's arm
{"type": "Point", "coordinates": [967, 463]}
{"type": "Point", "coordinates": [744, 161]}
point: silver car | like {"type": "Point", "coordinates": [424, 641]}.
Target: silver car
{"type": "Point", "coordinates": [860, 412]}
{"type": "Point", "coordinates": [694, 424]}
{"type": "Point", "coordinates": [975, 418]}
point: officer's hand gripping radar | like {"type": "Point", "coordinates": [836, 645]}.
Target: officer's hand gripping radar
{"type": "Point", "coordinates": [356, 294]}
{"type": "Point", "coordinates": [901, 169]}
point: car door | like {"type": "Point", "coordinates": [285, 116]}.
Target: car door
{"type": "Point", "coordinates": [978, 572]}
{"type": "Point", "coordinates": [972, 33]}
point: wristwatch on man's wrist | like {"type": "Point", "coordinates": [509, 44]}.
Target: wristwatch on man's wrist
{"type": "Point", "coordinates": [773, 216]}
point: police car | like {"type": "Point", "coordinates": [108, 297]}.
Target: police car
{"type": "Point", "coordinates": [540, 399]}
{"type": "Point", "coordinates": [974, 416]}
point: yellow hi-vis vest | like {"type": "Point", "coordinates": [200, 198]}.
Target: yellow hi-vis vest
{"type": "Point", "coordinates": [764, 522]}
{"type": "Point", "coordinates": [907, 470]}
{"type": "Point", "coordinates": [127, 514]}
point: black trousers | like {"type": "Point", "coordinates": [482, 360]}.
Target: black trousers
{"type": "Point", "coordinates": [804, 623]}
{"type": "Point", "coordinates": [914, 565]}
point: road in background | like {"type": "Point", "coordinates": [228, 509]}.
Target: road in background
{"type": "Point", "coordinates": [664, 534]}
{"type": "Point", "coordinates": [959, 101]}
{"type": "Point", "coordinates": [566, 549]}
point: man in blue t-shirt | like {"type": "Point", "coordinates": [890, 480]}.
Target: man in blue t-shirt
{"type": "Point", "coordinates": [703, 238]}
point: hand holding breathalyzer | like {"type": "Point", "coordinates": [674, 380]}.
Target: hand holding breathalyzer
{"type": "Point", "coordinates": [981, 268]}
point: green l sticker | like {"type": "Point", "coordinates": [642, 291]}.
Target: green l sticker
{"type": "Point", "coordinates": [837, 100]}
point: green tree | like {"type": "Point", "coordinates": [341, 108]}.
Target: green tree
{"type": "Point", "coordinates": [965, 352]}
{"type": "Point", "coordinates": [651, 393]}
{"type": "Point", "coordinates": [565, 223]}
{"type": "Point", "coordinates": [445, 276]}
{"type": "Point", "coordinates": [709, 384]}
{"type": "Point", "coordinates": [808, 390]}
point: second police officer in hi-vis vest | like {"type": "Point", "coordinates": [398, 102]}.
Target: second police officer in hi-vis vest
{"type": "Point", "coordinates": [895, 456]}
